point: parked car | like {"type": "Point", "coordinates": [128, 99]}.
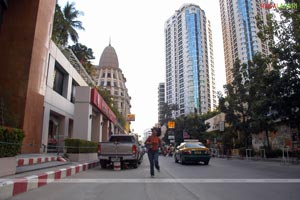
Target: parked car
{"type": "Point", "coordinates": [120, 148]}
{"type": "Point", "coordinates": [192, 152]}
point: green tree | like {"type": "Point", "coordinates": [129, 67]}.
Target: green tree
{"type": "Point", "coordinates": [193, 124]}
{"type": "Point", "coordinates": [264, 95]}
{"type": "Point", "coordinates": [236, 104]}
{"type": "Point", "coordinates": [84, 55]}
{"type": "Point", "coordinates": [286, 59]}
{"type": "Point", "coordinates": [108, 98]}
{"type": "Point", "coordinates": [167, 110]}
{"type": "Point", "coordinates": [65, 24]}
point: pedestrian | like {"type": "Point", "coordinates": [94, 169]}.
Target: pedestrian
{"type": "Point", "coordinates": [152, 143]}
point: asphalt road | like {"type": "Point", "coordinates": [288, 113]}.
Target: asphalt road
{"type": "Point", "coordinates": [222, 179]}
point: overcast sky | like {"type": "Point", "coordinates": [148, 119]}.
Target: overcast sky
{"type": "Point", "coordinates": [136, 29]}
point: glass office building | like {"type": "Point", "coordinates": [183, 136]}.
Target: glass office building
{"type": "Point", "coordinates": [190, 75]}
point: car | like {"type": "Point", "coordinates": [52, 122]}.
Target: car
{"type": "Point", "coordinates": [192, 152]}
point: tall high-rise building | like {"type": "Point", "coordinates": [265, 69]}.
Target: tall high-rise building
{"type": "Point", "coordinates": [161, 102]}
{"type": "Point", "coordinates": [190, 75]}
{"type": "Point", "coordinates": [239, 30]}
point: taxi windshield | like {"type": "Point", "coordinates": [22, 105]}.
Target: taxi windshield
{"type": "Point", "coordinates": [194, 145]}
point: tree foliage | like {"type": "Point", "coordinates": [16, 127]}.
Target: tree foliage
{"type": "Point", "coordinates": [84, 55]}
{"type": "Point", "coordinates": [167, 110]}
{"type": "Point", "coordinates": [267, 88]}
{"type": "Point", "coordinates": [65, 24]}
{"type": "Point", "coordinates": [108, 98]}
{"type": "Point", "coordinates": [285, 54]}
{"type": "Point", "coordinates": [193, 124]}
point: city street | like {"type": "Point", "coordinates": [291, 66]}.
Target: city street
{"type": "Point", "coordinates": [222, 179]}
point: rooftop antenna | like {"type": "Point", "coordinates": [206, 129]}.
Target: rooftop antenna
{"type": "Point", "coordinates": [109, 41]}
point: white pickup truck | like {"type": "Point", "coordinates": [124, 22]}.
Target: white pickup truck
{"type": "Point", "coordinates": [120, 148]}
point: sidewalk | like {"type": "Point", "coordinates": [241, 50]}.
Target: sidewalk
{"type": "Point", "coordinates": [279, 159]}
{"type": "Point", "coordinates": [37, 170]}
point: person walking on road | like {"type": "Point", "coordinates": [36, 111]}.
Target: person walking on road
{"type": "Point", "coordinates": [152, 143]}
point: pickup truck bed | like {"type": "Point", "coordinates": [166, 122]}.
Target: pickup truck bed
{"type": "Point", "coordinates": [120, 148]}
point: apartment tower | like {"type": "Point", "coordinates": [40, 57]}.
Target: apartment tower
{"type": "Point", "coordinates": [190, 75]}
{"type": "Point", "coordinates": [239, 31]}
{"type": "Point", "coordinates": [161, 102]}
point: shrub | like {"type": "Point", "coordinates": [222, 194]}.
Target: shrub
{"type": "Point", "coordinates": [80, 146]}
{"type": "Point", "coordinates": [274, 153]}
{"type": "Point", "coordinates": [10, 141]}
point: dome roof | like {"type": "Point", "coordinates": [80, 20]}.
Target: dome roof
{"type": "Point", "coordinates": [109, 58]}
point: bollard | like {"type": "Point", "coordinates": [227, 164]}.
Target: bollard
{"type": "Point", "coordinates": [117, 166]}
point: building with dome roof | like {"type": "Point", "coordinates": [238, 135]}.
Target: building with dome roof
{"type": "Point", "coordinates": [112, 79]}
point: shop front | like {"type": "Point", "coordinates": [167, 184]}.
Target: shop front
{"type": "Point", "coordinates": [93, 119]}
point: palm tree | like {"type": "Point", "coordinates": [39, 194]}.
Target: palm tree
{"type": "Point", "coordinates": [65, 24]}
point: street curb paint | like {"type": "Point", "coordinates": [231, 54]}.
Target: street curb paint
{"type": "Point", "coordinates": [37, 160]}
{"type": "Point", "coordinates": [12, 187]}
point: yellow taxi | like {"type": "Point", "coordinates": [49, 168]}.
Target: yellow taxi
{"type": "Point", "coordinates": [192, 151]}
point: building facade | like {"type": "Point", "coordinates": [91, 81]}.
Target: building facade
{"type": "Point", "coordinates": [190, 75]}
{"type": "Point", "coordinates": [25, 32]}
{"type": "Point", "coordinates": [161, 102]}
{"type": "Point", "coordinates": [112, 79]}
{"type": "Point", "coordinates": [72, 109]}
{"type": "Point", "coordinates": [239, 31]}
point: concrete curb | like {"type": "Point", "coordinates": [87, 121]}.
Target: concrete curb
{"type": "Point", "coordinates": [14, 187]}
{"type": "Point", "coordinates": [36, 160]}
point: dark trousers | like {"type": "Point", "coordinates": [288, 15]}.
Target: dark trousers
{"type": "Point", "coordinates": [153, 159]}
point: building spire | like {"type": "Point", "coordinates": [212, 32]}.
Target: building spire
{"type": "Point", "coordinates": [109, 41]}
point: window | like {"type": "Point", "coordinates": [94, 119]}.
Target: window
{"type": "Point", "coordinates": [59, 77]}
{"type": "Point", "coordinates": [108, 75]}
{"type": "Point", "coordinates": [108, 83]}
{"type": "Point", "coordinates": [74, 84]}
{"type": "Point", "coordinates": [3, 7]}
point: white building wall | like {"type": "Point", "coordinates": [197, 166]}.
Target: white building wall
{"type": "Point", "coordinates": [54, 102]}
{"type": "Point", "coordinates": [83, 114]}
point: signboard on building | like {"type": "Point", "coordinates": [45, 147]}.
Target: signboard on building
{"type": "Point", "coordinates": [171, 124]}
{"type": "Point", "coordinates": [98, 101]}
{"type": "Point", "coordinates": [130, 117]}
{"type": "Point", "coordinates": [171, 137]}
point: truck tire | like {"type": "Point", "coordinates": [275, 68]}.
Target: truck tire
{"type": "Point", "coordinates": [135, 164]}
{"type": "Point", "coordinates": [103, 164]}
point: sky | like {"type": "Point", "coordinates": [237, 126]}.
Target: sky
{"type": "Point", "coordinates": [136, 31]}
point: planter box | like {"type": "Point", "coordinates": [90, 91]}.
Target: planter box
{"type": "Point", "coordinates": [80, 157]}
{"type": "Point", "coordinates": [8, 166]}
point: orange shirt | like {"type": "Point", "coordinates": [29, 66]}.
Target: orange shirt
{"type": "Point", "coordinates": [155, 141]}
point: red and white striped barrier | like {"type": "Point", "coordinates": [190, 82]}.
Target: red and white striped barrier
{"type": "Point", "coordinates": [36, 160]}
{"type": "Point", "coordinates": [14, 187]}
{"type": "Point", "coordinates": [117, 166]}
